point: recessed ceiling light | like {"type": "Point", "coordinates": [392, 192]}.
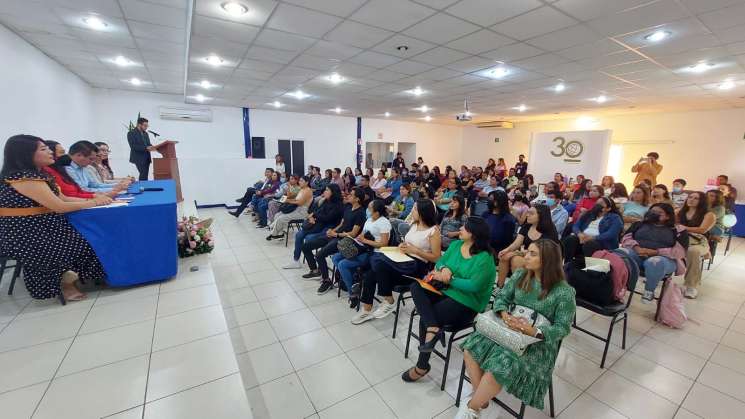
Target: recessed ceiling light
{"type": "Point", "coordinates": [94, 22]}
{"type": "Point", "coordinates": [234, 8]}
{"type": "Point", "coordinates": [214, 60]}
{"type": "Point", "coordinates": [601, 99]}
{"type": "Point", "coordinates": [205, 84]}
{"type": "Point", "coordinates": [135, 81]}
{"type": "Point", "coordinates": [387, 114]}
{"type": "Point", "coordinates": [298, 94]}
{"type": "Point", "coordinates": [122, 61]}
{"type": "Point", "coordinates": [427, 118]}
{"type": "Point", "coordinates": [402, 48]}
{"type": "Point", "coordinates": [277, 104]}
{"type": "Point", "coordinates": [700, 67]}
{"type": "Point", "coordinates": [657, 36]}
{"type": "Point", "coordinates": [726, 85]}
{"type": "Point", "coordinates": [200, 97]}
{"type": "Point", "coordinates": [335, 78]}
{"type": "Point", "coordinates": [417, 91]}
{"type": "Point", "coordinates": [521, 108]}
{"type": "Point", "coordinates": [498, 72]}
{"type": "Point", "coordinates": [560, 87]}
{"type": "Point", "coordinates": [423, 109]}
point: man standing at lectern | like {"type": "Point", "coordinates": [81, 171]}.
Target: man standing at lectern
{"type": "Point", "coordinates": [140, 148]}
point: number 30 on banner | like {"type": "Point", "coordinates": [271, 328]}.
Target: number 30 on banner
{"type": "Point", "coordinates": [571, 149]}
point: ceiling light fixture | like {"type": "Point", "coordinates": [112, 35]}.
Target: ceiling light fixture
{"type": "Point", "coordinates": [121, 60]}
{"type": "Point", "coordinates": [601, 99]}
{"type": "Point", "coordinates": [299, 94]}
{"type": "Point", "coordinates": [417, 91]}
{"type": "Point", "coordinates": [335, 78]}
{"type": "Point", "coordinates": [234, 8]}
{"type": "Point", "coordinates": [657, 36]}
{"type": "Point", "coordinates": [214, 60]}
{"type": "Point", "coordinates": [727, 85]}
{"type": "Point", "coordinates": [387, 114]}
{"type": "Point", "coordinates": [427, 118]}
{"type": "Point", "coordinates": [135, 81]}
{"type": "Point", "coordinates": [700, 67]}
{"type": "Point", "coordinates": [498, 72]}
{"type": "Point", "coordinates": [200, 97]}
{"type": "Point", "coordinates": [94, 22]}
{"type": "Point", "coordinates": [337, 109]}
{"type": "Point", "coordinates": [205, 84]}
{"type": "Point", "coordinates": [423, 109]}
{"type": "Point", "coordinates": [560, 88]}
{"type": "Point", "coordinates": [277, 104]}
{"type": "Point", "coordinates": [521, 108]}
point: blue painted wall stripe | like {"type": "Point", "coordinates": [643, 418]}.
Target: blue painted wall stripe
{"type": "Point", "coordinates": [247, 133]}
{"type": "Point", "coordinates": [359, 142]}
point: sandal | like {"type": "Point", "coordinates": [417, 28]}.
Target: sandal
{"type": "Point", "coordinates": [407, 375]}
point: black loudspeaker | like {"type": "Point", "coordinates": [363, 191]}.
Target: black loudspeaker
{"type": "Point", "coordinates": [258, 151]}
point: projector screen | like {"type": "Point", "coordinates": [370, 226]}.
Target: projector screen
{"type": "Point", "coordinates": [570, 153]}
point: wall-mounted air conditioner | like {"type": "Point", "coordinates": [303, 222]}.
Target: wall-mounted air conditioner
{"type": "Point", "coordinates": [186, 114]}
{"type": "Point", "coordinates": [496, 124]}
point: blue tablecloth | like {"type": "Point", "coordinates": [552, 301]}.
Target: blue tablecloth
{"type": "Point", "coordinates": [739, 228]}
{"type": "Point", "coordinates": [135, 243]}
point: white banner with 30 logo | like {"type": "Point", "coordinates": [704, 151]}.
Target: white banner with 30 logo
{"type": "Point", "coordinates": [570, 153]}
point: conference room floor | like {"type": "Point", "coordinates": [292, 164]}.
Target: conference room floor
{"type": "Point", "coordinates": [243, 329]}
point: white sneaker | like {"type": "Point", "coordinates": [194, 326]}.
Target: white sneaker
{"type": "Point", "coordinates": [465, 412]}
{"type": "Point", "coordinates": [691, 293]}
{"type": "Point", "coordinates": [295, 264]}
{"type": "Point", "coordinates": [383, 310]}
{"type": "Point", "coordinates": [647, 297]}
{"type": "Point", "coordinates": [362, 317]}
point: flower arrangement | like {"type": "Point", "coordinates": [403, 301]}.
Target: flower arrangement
{"type": "Point", "coordinates": [194, 237]}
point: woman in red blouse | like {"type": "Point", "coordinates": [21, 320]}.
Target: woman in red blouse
{"type": "Point", "coordinates": [587, 202]}
{"type": "Point", "coordinates": [67, 186]}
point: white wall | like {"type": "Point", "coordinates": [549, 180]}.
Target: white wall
{"type": "Point", "coordinates": [693, 145]}
{"type": "Point", "coordinates": [39, 96]}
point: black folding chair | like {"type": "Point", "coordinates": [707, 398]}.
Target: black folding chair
{"type": "Point", "coordinates": [296, 224]}
{"type": "Point", "coordinates": [16, 272]}
{"type": "Point", "coordinates": [452, 329]}
{"type": "Point", "coordinates": [617, 311]}
{"type": "Point", "coordinates": [503, 405]}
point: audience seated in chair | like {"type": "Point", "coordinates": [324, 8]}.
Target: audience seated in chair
{"type": "Point", "coordinates": [637, 205]}
{"type": "Point", "coordinates": [327, 215]}
{"type": "Point", "coordinates": [422, 243]}
{"type": "Point", "coordinates": [559, 214]}
{"type": "Point", "coordinates": [597, 229]}
{"type": "Point", "coordinates": [467, 269]}
{"type": "Point", "coordinates": [294, 209]}
{"type": "Point", "coordinates": [538, 226]}
{"type": "Point", "coordinates": [588, 201]}
{"type": "Point", "coordinates": [492, 368]}
{"type": "Point", "coordinates": [715, 199]}
{"type": "Point", "coordinates": [269, 206]}
{"type": "Point", "coordinates": [375, 234]}
{"type": "Point", "coordinates": [658, 246]}
{"type": "Point", "coordinates": [697, 220]}
{"type": "Point", "coordinates": [350, 226]}
{"type": "Point", "coordinates": [270, 182]}
{"type": "Point", "coordinates": [453, 220]}
{"type": "Point", "coordinates": [678, 194]}
{"type": "Point", "coordinates": [502, 224]}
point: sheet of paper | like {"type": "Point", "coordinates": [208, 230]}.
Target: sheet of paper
{"type": "Point", "coordinates": [112, 205]}
{"type": "Point", "coordinates": [395, 255]}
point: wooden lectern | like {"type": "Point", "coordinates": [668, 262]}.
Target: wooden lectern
{"type": "Point", "coordinates": [166, 167]}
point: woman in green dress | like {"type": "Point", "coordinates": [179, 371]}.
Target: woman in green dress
{"type": "Point", "coordinates": [541, 287]}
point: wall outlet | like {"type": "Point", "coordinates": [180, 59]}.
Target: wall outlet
{"type": "Point", "coordinates": [496, 139]}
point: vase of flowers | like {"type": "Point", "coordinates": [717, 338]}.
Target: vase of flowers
{"type": "Point", "coordinates": [194, 237]}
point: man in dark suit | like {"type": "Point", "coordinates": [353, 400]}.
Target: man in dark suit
{"type": "Point", "coordinates": [140, 148]}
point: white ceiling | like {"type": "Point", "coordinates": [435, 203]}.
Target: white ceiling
{"type": "Point", "coordinates": [596, 47]}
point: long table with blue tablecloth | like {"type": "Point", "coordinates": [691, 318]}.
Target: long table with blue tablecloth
{"type": "Point", "coordinates": [739, 228]}
{"type": "Point", "coordinates": [135, 243]}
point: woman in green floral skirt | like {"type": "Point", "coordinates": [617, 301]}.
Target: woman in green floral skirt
{"type": "Point", "coordinates": [541, 287]}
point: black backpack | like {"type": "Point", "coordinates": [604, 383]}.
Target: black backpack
{"type": "Point", "coordinates": [592, 286]}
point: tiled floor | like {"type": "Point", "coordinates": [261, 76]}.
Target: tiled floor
{"type": "Point", "coordinates": [299, 356]}
{"type": "Point", "coordinates": [160, 351]}
{"type": "Point", "coordinates": [242, 337]}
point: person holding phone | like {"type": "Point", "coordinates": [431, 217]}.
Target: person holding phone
{"type": "Point", "coordinates": [647, 168]}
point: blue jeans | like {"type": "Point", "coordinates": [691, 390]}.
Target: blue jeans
{"type": "Point", "coordinates": [346, 267]}
{"type": "Point", "coordinates": [655, 268]}
{"type": "Point", "coordinates": [261, 209]}
{"type": "Point", "coordinates": [300, 237]}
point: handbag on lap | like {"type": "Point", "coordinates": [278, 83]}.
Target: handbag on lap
{"type": "Point", "coordinates": [490, 325]}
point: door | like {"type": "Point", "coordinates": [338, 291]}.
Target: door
{"type": "Point", "coordinates": [284, 149]}
{"type": "Point", "coordinates": [298, 157]}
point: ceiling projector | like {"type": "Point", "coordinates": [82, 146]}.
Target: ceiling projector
{"type": "Point", "coordinates": [466, 115]}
